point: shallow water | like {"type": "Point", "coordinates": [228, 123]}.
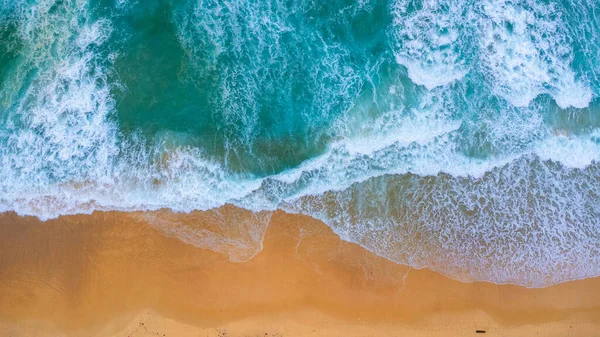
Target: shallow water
{"type": "Point", "coordinates": [460, 135]}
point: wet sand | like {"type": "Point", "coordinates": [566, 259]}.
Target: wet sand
{"type": "Point", "coordinates": [111, 274]}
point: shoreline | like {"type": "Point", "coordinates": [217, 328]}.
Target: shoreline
{"type": "Point", "coordinates": [100, 274]}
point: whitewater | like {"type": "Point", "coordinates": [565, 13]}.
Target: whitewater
{"type": "Point", "coordinates": [461, 135]}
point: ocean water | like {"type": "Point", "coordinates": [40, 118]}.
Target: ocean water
{"type": "Point", "coordinates": [459, 135]}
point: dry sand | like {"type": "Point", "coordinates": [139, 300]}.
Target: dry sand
{"type": "Point", "coordinates": [110, 274]}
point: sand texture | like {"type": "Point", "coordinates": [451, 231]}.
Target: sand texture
{"type": "Point", "coordinates": [113, 274]}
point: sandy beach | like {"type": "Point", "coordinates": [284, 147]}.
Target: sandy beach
{"type": "Point", "coordinates": [278, 168]}
{"type": "Point", "coordinates": [110, 274]}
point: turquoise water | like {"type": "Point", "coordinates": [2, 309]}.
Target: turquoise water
{"type": "Point", "coordinates": [467, 130]}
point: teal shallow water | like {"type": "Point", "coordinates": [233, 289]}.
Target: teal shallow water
{"type": "Point", "coordinates": [467, 129]}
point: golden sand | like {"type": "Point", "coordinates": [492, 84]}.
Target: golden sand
{"type": "Point", "coordinates": [111, 274]}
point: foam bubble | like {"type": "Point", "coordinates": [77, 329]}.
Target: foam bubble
{"type": "Point", "coordinates": [526, 51]}
{"type": "Point", "coordinates": [60, 129]}
{"type": "Point", "coordinates": [429, 41]}
{"type": "Point", "coordinates": [573, 151]}
{"type": "Point", "coordinates": [234, 232]}
{"type": "Point", "coordinates": [529, 223]}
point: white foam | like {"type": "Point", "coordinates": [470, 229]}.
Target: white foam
{"type": "Point", "coordinates": [96, 34]}
{"type": "Point", "coordinates": [523, 48]}
{"type": "Point", "coordinates": [502, 227]}
{"type": "Point", "coordinates": [526, 52]}
{"type": "Point", "coordinates": [573, 151]}
{"type": "Point", "coordinates": [63, 131]}
{"type": "Point", "coordinates": [428, 42]}
{"type": "Point", "coordinates": [237, 233]}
